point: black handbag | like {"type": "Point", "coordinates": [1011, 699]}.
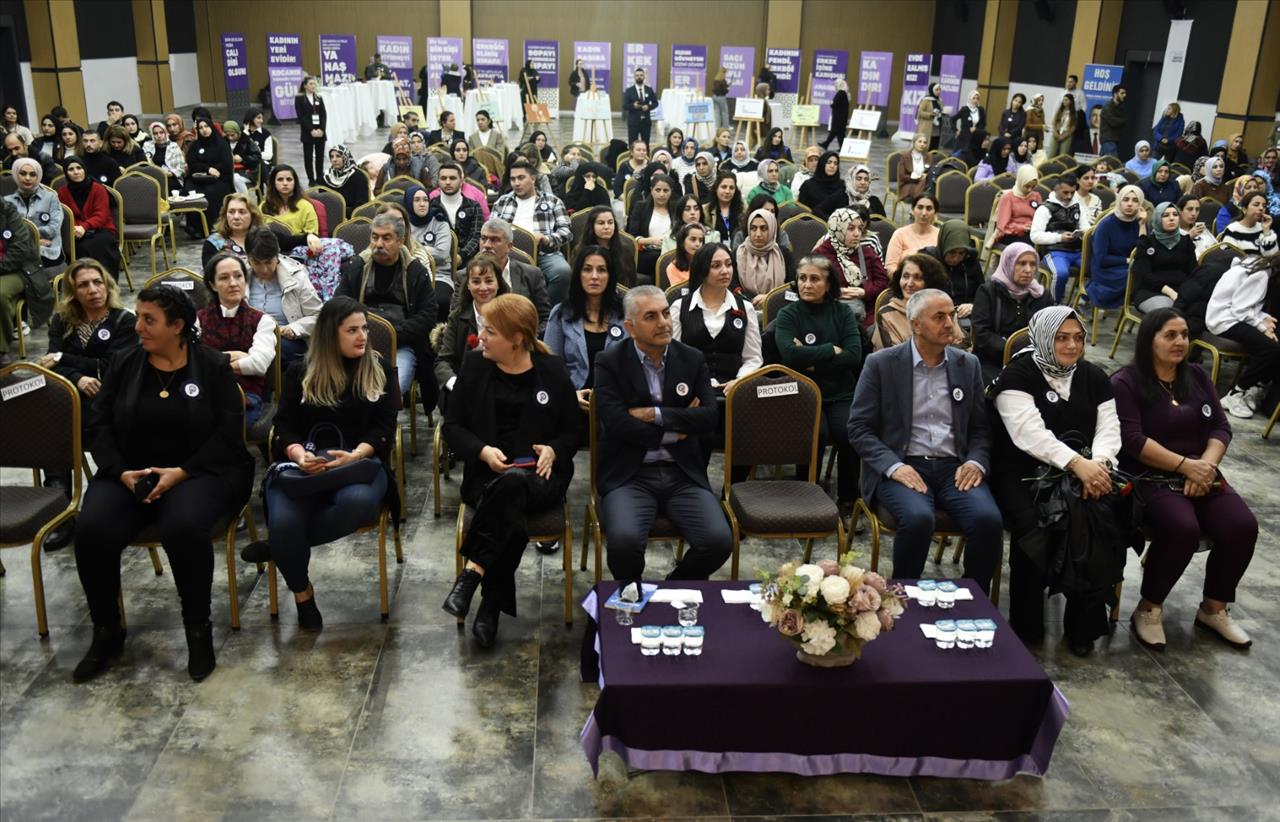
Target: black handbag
{"type": "Point", "coordinates": [295, 482]}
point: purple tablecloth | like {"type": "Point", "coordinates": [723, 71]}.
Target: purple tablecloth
{"type": "Point", "coordinates": [905, 708]}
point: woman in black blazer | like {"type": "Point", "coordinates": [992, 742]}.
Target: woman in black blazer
{"type": "Point", "coordinates": [514, 420]}
{"type": "Point", "coordinates": [166, 433]}
{"type": "Point", "coordinates": [312, 121]}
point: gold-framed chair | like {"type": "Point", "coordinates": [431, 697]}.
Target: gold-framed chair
{"type": "Point", "coordinates": [545, 526]}
{"type": "Point", "coordinates": [660, 268]}
{"type": "Point", "coordinates": [952, 188]}
{"type": "Point", "coordinates": [382, 336]}
{"type": "Point", "coordinates": [883, 228]}
{"type": "Point", "coordinates": [68, 233]}
{"type": "Point", "coordinates": [979, 201]}
{"type": "Point", "coordinates": [142, 214]}
{"type": "Point", "coordinates": [793, 208]}
{"type": "Point", "coordinates": [1078, 293]}
{"type": "Point", "coordinates": [1271, 422]}
{"type": "Point", "coordinates": [401, 183]}
{"type": "Point", "coordinates": [1219, 348]}
{"type": "Point", "coordinates": [335, 205]}
{"type": "Point", "coordinates": [1128, 313]}
{"type": "Point", "coordinates": [804, 231]}
{"type": "Point", "coordinates": [578, 226]}
{"type": "Point", "coordinates": [183, 279]}
{"type": "Point", "coordinates": [1015, 343]}
{"type": "Point", "coordinates": [675, 292]}
{"type": "Point", "coordinates": [772, 417]}
{"type": "Point", "coordinates": [775, 301]}
{"type": "Point", "coordinates": [355, 231]}
{"type": "Point", "coordinates": [39, 430]}
{"type": "Point", "coordinates": [524, 240]}
{"type": "Point", "coordinates": [891, 181]}
{"type": "Point", "coordinates": [117, 219]}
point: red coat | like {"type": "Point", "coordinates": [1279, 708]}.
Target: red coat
{"type": "Point", "coordinates": [96, 214]}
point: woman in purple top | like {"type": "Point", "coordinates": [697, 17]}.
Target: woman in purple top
{"type": "Point", "coordinates": [1172, 426]}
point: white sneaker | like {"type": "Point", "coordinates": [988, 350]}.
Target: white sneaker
{"type": "Point", "coordinates": [1148, 627]}
{"type": "Point", "coordinates": [1236, 405]}
{"type": "Point", "coordinates": [1254, 396]}
{"type": "Point", "coordinates": [1226, 629]}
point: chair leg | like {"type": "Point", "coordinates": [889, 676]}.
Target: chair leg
{"type": "Point", "coordinates": [1094, 332]}
{"type": "Point", "coordinates": [37, 586]}
{"type": "Point", "coordinates": [875, 540]}
{"type": "Point", "coordinates": [382, 566]}
{"type": "Point", "coordinates": [567, 550]}
{"type": "Point", "coordinates": [808, 550]}
{"type": "Point", "coordinates": [842, 539]}
{"type": "Point", "coordinates": [831, 466]}
{"type": "Point", "coordinates": [959, 552]}
{"type": "Point", "coordinates": [1115, 608]}
{"type": "Point", "coordinates": [1119, 333]}
{"type": "Point", "coordinates": [395, 532]}
{"type": "Point", "coordinates": [598, 533]}
{"type": "Point", "coordinates": [2, 572]}
{"type": "Point", "coordinates": [1271, 423]}
{"type": "Point", "coordinates": [942, 547]}
{"type": "Point", "coordinates": [1217, 364]}
{"type": "Point", "coordinates": [272, 594]}
{"type": "Point", "coordinates": [435, 470]}
{"type": "Point", "coordinates": [413, 419]}
{"type": "Point", "coordinates": [155, 562]}
{"type": "Point", "coordinates": [233, 589]}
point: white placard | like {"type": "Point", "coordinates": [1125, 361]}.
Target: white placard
{"type": "Point", "coordinates": [749, 108]}
{"type": "Point", "coordinates": [594, 107]}
{"type": "Point", "coordinates": [864, 119]}
{"type": "Point", "coordinates": [855, 149]}
{"type": "Point", "coordinates": [24, 387]}
{"type": "Point", "coordinates": [780, 390]}
{"type": "Point", "coordinates": [185, 285]}
{"type": "Point", "coordinates": [790, 296]}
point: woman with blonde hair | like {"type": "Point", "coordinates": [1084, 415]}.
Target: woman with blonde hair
{"type": "Point", "coordinates": [238, 217]}
{"type": "Point", "coordinates": [513, 420]}
{"type": "Point", "coordinates": [334, 430]}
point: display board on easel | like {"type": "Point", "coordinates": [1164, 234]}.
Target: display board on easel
{"type": "Point", "coordinates": [593, 108]}
{"type": "Point", "coordinates": [535, 113]}
{"type": "Point", "coordinates": [806, 116]}
{"type": "Point", "coordinates": [863, 122]}
{"type": "Point", "coordinates": [748, 112]}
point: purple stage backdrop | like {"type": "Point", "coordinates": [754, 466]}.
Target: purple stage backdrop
{"type": "Point", "coordinates": [441, 51]}
{"type": "Point", "coordinates": [490, 57]}
{"type": "Point", "coordinates": [739, 68]}
{"type": "Point", "coordinates": [545, 55]}
{"type": "Point", "coordinates": [915, 84]}
{"type": "Point", "coordinates": [689, 66]}
{"type": "Point", "coordinates": [785, 64]}
{"type": "Point", "coordinates": [397, 53]}
{"type": "Point", "coordinates": [284, 72]}
{"type": "Point", "coordinates": [337, 58]}
{"type": "Point", "coordinates": [874, 76]}
{"type": "Point", "coordinates": [235, 68]}
{"type": "Point", "coordinates": [595, 59]}
{"type": "Point", "coordinates": [640, 55]}
{"type": "Point", "coordinates": [828, 66]}
{"type": "Point", "coordinates": [950, 74]}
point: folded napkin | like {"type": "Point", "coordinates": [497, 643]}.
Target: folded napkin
{"type": "Point", "coordinates": [737, 597]}
{"type": "Point", "coordinates": [676, 595]}
{"type": "Point", "coordinates": [926, 627]}
{"type": "Point", "coordinates": [961, 593]}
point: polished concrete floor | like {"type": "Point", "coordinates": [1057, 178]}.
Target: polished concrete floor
{"type": "Point", "coordinates": [409, 720]}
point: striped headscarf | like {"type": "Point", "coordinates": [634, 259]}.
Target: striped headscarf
{"type": "Point", "coordinates": [1042, 328]}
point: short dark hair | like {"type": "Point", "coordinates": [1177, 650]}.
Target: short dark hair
{"type": "Point", "coordinates": [211, 267]}
{"type": "Point", "coordinates": [176, 305]}
{"type": "Point", "coordinates": [58, 112]}
{"type": "Point", "coordinates": [1069, 179]}
{"type": "Point", "coordinates": [261, 243]}
{"type": "Point", "coordinates": [1117, 87]}
{"type": "Point", "coordinates": [115, 103]}
{"type": "Point", "coordinates": [451, 165]}
{"type": "Point", "coordinates": [1073, 77]}
{"type": "Point", "coordinates": [935, 276]}
{"type": "Point", "coordinates": [523, 164]}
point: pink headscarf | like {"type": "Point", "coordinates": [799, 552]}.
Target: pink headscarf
{"type": "Point", "coordinates": [1004, 272]}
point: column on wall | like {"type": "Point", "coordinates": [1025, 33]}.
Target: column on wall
{"type": "Point", "coordinates": [155, 81]}
{"type": "Point", "coordinates": [996, 57]}
{"type": "Point", "coordinates": [1251, 76]}
{"type": "Point", "coordinates": [455, 21]}
{"type": "Point", "coordinates": [1094, 36]}
{"type": "Point", "coordinates": [55, 57]}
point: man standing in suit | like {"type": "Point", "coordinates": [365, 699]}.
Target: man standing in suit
{"type": "Point", "coordinates": [638, 101]}
{"type": "Point", "coordinates": [654, 401]}
{"type": "Point", "coordinates": [919, 422]}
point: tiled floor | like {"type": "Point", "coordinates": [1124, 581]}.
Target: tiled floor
{"type": "Point", "coordinates": [409, 720]}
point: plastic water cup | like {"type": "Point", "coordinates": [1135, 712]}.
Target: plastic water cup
{"type": "Point", "coordinates": [650, 640]}
{"type": "Point", "coordinates": [672, 639]}
{"type": "Point", "coordinates": [928, 593]}
{"type": "Point", "coordinates": [687, 614]}
{"type": "Point", "coordinates": [757, 591]}
{"type": "Point", "coordinates": [947, 594]}
{"type": "Point", "coordinates": [624, 617]}
{"type": "Point", "coordinates": [693, 637]}
{"type": "Point", "coordinates": [946, 638]}
{"type": "Point", "coordinates": [986, 636]}
{"type": "Point", "coordinates": [966, 633]}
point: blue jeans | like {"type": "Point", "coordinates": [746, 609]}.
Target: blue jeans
{"type": "Point", "coordinates": [557, 271]}
{"type": "Point", "coordinates": [1060, 262]}
{"type": "Point", "coordinates": [252, 408]}
{"type": "Point", "coordinates": [1109, 148]}
{"type": "Point", "coordinates": [406, 367]}
{"type": "Point", "coordinates": [974, 511]}
{"type": "Point", "coordinates": [296, 524]}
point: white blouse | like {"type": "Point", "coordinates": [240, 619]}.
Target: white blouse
{"type": "Point", "coordinates": [1030, 435]}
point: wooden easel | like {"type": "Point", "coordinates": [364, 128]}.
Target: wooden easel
{"type": "Point", "coordinates": [593, 123]}
{"type": "Point", "coordinates": [535, 113]}
{"type": "Point", "coordinates": [751, 124]}
{"type": "Point", "coordinates": [809, 131]}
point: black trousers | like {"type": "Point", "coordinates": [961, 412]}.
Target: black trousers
{"type": "Point", "coordinates": [497, 538]}
{"type": "Point", "coordinates": [313, 161]}
{"type": "Point", "coordinates": [1263, 364]}
{"type": "Point", "coordinates": [111, 518]}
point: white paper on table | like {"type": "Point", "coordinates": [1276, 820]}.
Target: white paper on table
{"type": "Point", "coordinates": [676, 595]}
{"type": "Point", "coordinates": [961, 593]}
{"type": "Point", "coordinates": [737, 597]}
{"type": "Point", "coordinates": [927, 628]}
{"type": "Point", "coordinates": [635, 636]}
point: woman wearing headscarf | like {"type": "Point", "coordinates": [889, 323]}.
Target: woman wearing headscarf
{"type": "Point", "coordinates": [166, 154]}
{"type": "Point", "coordinates": [971, 118]}
{"type": "Point", "coordinates": [40, 206]}
{"type": "Point", "coordinates": [209, 169]}
{"type": "Point", "coordinates": [1141, 163]}
{"type": "Point", "coordinates": [960, 260]}
{"type": "Point", "coordinates": [770, 183]}
{"type": "Point", "coordinates": [1233, 209]}
{"type": "Point", "coordinates": [1162, 261]}
{"type": "Point", "coordinates": [1113, 240]}
{"type": "Point", "coordinates": [546, 154]}
{"type": "Point", "coordinates": [1190, 146]}
{"type": "Point", "coordinates": [856, 266]}
{"type": "Point", "coordinates": [1016, 208]}
{"type": "Point", "coordinates": [913, 168]}
{"type": "Point", "coordinates": [996, 162]}
{"type": "Point", "coordinates": [929, 115]}
{"type": "Point", "coordinates": [1160, 186]}
{"type": "Point", "coordinates": [246, 158]}
{"type": "Point", "coordinates": [1004, 304]}
{"type": "Point", "coordinates": [1214, 183]}
{"type": "Point", "coordinates": [740, 161]}
{"type": "Point", "coordinates": [804, 172]}
{"type": "Point", "coordinates": [1166, 131]}
{"type": "Point", "coordinates": [344, 177]}
{"type": "Point", "coordinates": [682, 163]}
{"type": "Point", "coordinates": [700, 182]}
{"type": "Point", "coordinates": [1058, 412]}
{"type": "Point", "coordinates": [1058, 131]}
{"type": "Point", "coordinates": [90, 205]}
{"type": "Point", "coordinates": [973, 152]}
{"type": "Point", "coordinates": [774, 146]}
{"type": "Point", "coordinates": [1021, 154]}
{"type": "Point", "coordinates": [839, 114]}
{"type": "Point", "coordinates": [823, 184]}
{"type": "Point", "coordinates": [1035, 119]}
{"type": "Point", "coordinates": [429, 227]}
{"type": "Point", "coordinates": [763, 265]}
{"type": "Point", "coordinates": [590, 188]}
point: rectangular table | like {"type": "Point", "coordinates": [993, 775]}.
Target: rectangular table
{"type": "Point", "coordinates": [906, 708]}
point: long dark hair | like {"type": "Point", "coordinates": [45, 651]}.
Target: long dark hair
{"type": "Point", "coordinates": [935, 276]}
{"type": "Point", "coordinates": [1144, 364]}
{"type": "Point", "coordinates": [274, 203]}
{"type": "Point", "coordinates": [575, 304]}
{"type": "Point", "coordinates": [735, 207]}
{"type": "Point", "coordinates": [682, 260]}
{"type": "Point", "coordinates": [176, 305]}
{"type": "Point", "coordinates": [700, 266]}
{"type": "Point", "coordinates": [620, 268]}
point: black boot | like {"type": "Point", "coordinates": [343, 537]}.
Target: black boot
{"type": "Point", "coordinates": [309, 618]}
{"type": "Point", "coordinates": [256, 552]}
{"type": "Point", "coordinates": [61, 536]}
{"type": "Point", "coordinates": [485, 626]}
{"type": "Point", "coordinates": [107, 643]}
{"type": "Point", "coordinates": [200, 659]}
{"type": "Point", "coordinates": [464, 587]}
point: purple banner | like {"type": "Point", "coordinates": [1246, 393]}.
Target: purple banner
{"type": "Point", "coordinates": [545, 55]}
{"type": "Point", "coordinates": [785, 64]}
{"type": "Point", "coordinates": [284, 72]}
{"type": "Point", "coordinates": [874, 76]}
{"type": "Point", "coordinates": [739, 64]}
{"type": "Point", "coordinates": [595, 59]}
{"type": "Point", "coordinates": [235, 69]}
{"type": "Point", "coordinates": [689, 67]}
{"type": "Point", "coordinates": [337, 59]}
{"type": "Point", "coordinates": [828, 66]}
{"type": "Point", "coordinates": [490, 58]}
{"type": "Point", "coordinates": [643, 56]}
{"type": "Point", "coordinates": [915, 84]}
{"type": "Point", "coordinates": [397, 53]}
{"type": "Point", "coordinates": [950, 75]}
{"type": "Point", "coordinates": [441, 51]}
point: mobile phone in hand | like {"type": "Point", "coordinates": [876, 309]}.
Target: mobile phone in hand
{"type": "Point", "coordinates": [524, 462]}
{"type": "Point", "coordinates": [143, 486]}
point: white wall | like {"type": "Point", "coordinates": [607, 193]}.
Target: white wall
{"type": "Point", "coordinates": [186, 79]}
{"type": "Point", "coordinates": [110, 79]}
{"type": "Point", "coordinates": [28, 93]}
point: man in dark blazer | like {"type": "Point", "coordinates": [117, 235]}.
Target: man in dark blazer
{"type": "Point", "coordinates": [527, 280]}
{"type": "Point", "coordinates": [654, 401]}
{"type": "Point", "coordinates": [638, 101]}
{"type": "Point", "coordinates": [919, 423]}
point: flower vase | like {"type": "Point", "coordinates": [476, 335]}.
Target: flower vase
{"type": "Point", "coordinates": [835, 658]}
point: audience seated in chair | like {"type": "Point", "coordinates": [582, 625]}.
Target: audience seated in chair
{"type": "Point", "coordinates": [918, 234]}
{"type": "Point", "coordinates": [917, 272]}
{"type": "Point", "coordinates": [90, 205]}
{"type": "Point", "coordinates": [1057, 227]}
{"type": "Point", "coordinates": [1238, 311]}
{"type": "Point", "coordinates": [1113, 241]}
{"type": "Point", "coordinates": [1004, 304]}
{"type": "Point", "coordinates": [37, 204]}
{"type": "Point", "coordinates": [465, 214]}
{"type": "Point", "coordinates": [589, 321]}
{"type": "Point", "coordinates": [855, 262]}
{"type": "Point", "coordinates": [763, 264]}
{"type": "Point", "coordinates": [482, 281]}
{"type": "Point", "coordinates": [544, 216]}
{"type": "Point", "coordinates": [230, 325]}
{"type": "Point", "coordinates": [343, 176]}
{"type": "Point", "coordinates": [1162, 261]}
{"type": "Point", "coordinates": [281, 289]}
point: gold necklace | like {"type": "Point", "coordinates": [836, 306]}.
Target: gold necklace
{"type": "Point", "coordinates": [164, 386]}
{"type": "Point", "coordinates": [1169, 390]}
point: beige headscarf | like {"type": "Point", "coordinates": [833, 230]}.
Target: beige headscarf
{"type": "Point", "coordinates": [760, 270]}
